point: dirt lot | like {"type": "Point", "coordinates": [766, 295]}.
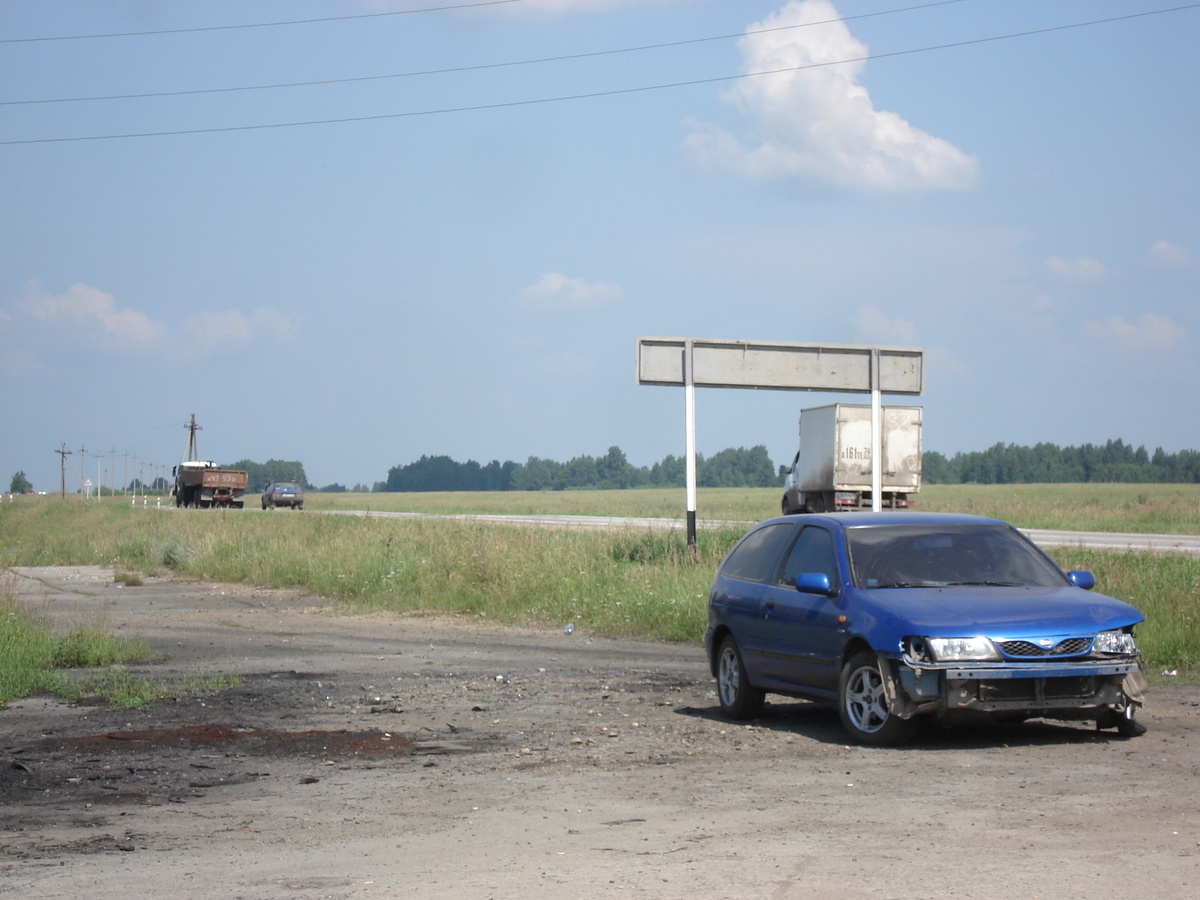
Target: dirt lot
{"type": "Point", "coordinates": [417, 757]}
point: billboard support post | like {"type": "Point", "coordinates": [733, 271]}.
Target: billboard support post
{"type": "Point", "coordinates": [833, 368]}
{"type": "Point", "coordinates": [876, 435]}
{"type": "Point", "coordinates": [689, 424]}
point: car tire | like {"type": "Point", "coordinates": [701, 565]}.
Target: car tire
{"type": "Point", "coordinates": [863, 706]}
{"type": "Point", "coordinates": [1127, 723]}
{"type": "Point", "coordinates": [739, 699]}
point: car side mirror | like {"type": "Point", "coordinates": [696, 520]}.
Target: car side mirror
{"type": "Point", "coordinates": [814, 583]}
{"type": "Point", "coordinates": [1085, 580]}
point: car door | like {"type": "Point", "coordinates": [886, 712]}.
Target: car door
{"type": "Point", "coordinates": [802, 636]}
{"type": "Point", "coordinates": [737, 599]}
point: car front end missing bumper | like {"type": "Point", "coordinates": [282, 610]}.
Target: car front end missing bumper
{"type": "Point", "coordinates": [1085, 689]}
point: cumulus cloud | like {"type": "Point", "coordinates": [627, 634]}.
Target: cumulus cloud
{"type": "Point", "coordinates": [89, 304]}
{"type": "Point", "coordinates": [1150, 330]}
{"type": "Point", "coordinates": [213, 331]}
{"type": "Point", "coordinates": [876, 328]}
{"type": "Point", "coordinates": [1079, 269]}
{"type": "Point", "coordinates": [98, 313]}
{"type": "Point", "coordinates": [555, 291]}
{"type": "Point", "coordinates": [1162, 253]}
{"type": "Point", "coordinates": [815, 121]}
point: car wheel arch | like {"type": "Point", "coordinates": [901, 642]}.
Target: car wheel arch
{"type": "Point", "coordinates": [714, 653]}
{"type": "Point", "coordinates": [854, 646]}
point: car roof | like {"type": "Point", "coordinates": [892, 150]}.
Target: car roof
{"type": "Point", "coordinates": [852, 519]}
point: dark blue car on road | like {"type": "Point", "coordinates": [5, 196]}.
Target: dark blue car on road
{"type": "Point", "coordinates": [899, 615]}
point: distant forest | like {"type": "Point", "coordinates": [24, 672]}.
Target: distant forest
{"type": "Point", "coordinates": [1046, 463]}
{"type": "Point", "coordinates": [740, 467]}
{"type": "Point", "coordinates": [262, 474]}
{"type": "Point", "coordinates": [730, 468]}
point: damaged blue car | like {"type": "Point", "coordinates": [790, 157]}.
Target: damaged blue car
{"type": "Point", "coordinates": [898, 615]}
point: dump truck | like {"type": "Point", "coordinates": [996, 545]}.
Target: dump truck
{"type": "Point", "coordinates": [204, 484]}
{"type": "Point", "coordinates": [831, 471]}
{"type": "Point", "coordinates": [201, 483]}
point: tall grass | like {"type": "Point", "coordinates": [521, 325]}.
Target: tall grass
{"type": "Point", "coordinates": [32, 657]}
{"type": "Point", "coordinates": [623, 582]}
{"type": "Point", "coordinates": [1141, 508]}
{"type": "Point", "coordinates": [619, 583]}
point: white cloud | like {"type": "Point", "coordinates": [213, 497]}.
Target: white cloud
{"type": "Point", "coordinates": [213, 331]}
{"type": "Point", "coordinates": [209, 332]}
{"type": "Point", "coordinates": [555, 291]}
{"type": "Point", "coordinates": [818, 122]}
{"type": "Point", "coordinates": [874, 327]}
{"type": "Point", "coordinates": [1150, 331]}
{"type": "Point", "coordinates": [1162, 253]}
{"type": "Point", "coordinates": [1078, 269]}
{"type": "Point", "coordinates": [83, 303]}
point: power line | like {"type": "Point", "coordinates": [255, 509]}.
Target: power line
{"type": "Point", "coordinates": [482, 66]}
{"type": "Point", "coordinates": [378, 15]}
{"type": "Point", "coordinates": [613, 92]}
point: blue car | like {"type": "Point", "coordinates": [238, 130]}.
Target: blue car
{"type": "Point", "coordinates": [899, 615]}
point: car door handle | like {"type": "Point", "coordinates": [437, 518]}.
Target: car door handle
{"type": "Point", "coordinates": [769, 604]}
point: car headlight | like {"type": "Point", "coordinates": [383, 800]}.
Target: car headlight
{"type": "Point", "coordinates": [974, 649]}
{"type": "Point", "coordinates": [1118, 642]}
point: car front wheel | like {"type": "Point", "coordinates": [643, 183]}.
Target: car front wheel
{"type": "Point", "coordinates": [863, 705]}
{"type": "Point", "coordinates": [739, 700]}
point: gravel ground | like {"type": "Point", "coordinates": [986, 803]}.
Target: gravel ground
{"type": "Point", "coordinates": [392, 756]}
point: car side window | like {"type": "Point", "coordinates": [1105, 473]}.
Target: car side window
{"type": "Point", "coordinates": [812, 552]}
{"type": "Point", "coordinates": [756, 557]}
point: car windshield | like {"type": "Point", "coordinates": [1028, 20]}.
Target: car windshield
{"type": "Point", "coordinates": [904, 556]}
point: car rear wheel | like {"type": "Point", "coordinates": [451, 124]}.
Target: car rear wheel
{"type": "Point", "coordinates": [739, 700]}
{"type": "Point", "coordinates": [862, 705]}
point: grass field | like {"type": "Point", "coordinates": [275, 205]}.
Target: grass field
{"type": "Point", "coordinates": [608, 582]}
{"type": "Point", "coordinates": [1140, 508]}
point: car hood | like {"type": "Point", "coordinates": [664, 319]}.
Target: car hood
{"type": "Point", "coordinates": [995, 611]}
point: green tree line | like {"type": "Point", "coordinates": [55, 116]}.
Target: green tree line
{"type": "Point", "coordinates": [734, 467]}
{"type": "Point", "coordinates": [259, 475]}
{"type": "Point", "coordinates": [1049, 463]}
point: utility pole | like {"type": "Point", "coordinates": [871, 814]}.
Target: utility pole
{"type": "Point", "coordinates": [112, 472]}
{"type": "Point", "coordinates": [63, 453]}
{"type": "Point", "coordinates": [98, 481]}
{"type": "Point", "coordinates": [191, 452]}
{"type": "Point", "coordinates": [125, 482]}
{"type": "Point", "coordinates": [82, 467]}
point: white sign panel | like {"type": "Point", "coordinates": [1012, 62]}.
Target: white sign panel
{"type": "Point", "coordinates": [779, 366]}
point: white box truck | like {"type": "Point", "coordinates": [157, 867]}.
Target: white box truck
{"type": "Point", "coordinates": [831, 471]}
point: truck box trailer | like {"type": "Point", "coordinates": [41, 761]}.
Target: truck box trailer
{"type": "Point", "coordinates": [200, 483]}
{"type": "Point", "coordinates": [832, 469]}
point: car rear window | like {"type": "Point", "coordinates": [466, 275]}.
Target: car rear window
{"type": "Point", "coordinates": [936, 555]}
{"type": "Point", "coordinates": [287, 486]}
{"type": "Point", "coordinates": [756, 557]}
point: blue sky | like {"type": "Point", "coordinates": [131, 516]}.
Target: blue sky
{"type": "Point", "coordinates": [358, 293]}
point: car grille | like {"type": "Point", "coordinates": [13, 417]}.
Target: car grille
{"type": "Point", "coordinates": [1069, 647]}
